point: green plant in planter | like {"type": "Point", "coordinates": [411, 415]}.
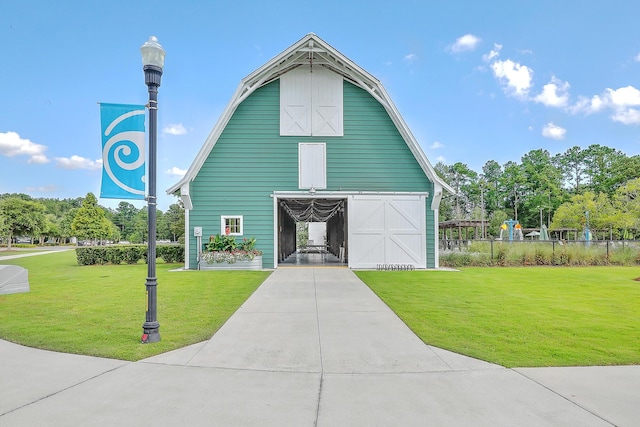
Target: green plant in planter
{"type": "Point", "coordinates": [247, 244]}
{"type": "Point", "coordinates": [221, 243]}
{"type": "Point", "coordinates": [226, 249]}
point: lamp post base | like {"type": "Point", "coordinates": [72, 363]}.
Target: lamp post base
{"type": "Point", "coordinates": [151, 333]}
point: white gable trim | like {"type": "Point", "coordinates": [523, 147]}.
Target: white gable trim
{"type": "Point", "coordinates": [310, 49]}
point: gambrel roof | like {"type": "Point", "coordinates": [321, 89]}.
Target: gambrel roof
{"type": "Point", "coordinates": [312, 50]}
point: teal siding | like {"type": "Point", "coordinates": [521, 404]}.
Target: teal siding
{"type": "Point", "coordinates": [431, 238]}
{"type": "Point", "coordinates": [251, 160]}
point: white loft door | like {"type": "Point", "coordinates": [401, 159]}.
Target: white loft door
{"type": "Point", "coordinates": [312, 166]}
{"type": "Point", "coordinates": [311, 102]}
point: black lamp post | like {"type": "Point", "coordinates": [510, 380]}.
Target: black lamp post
{"type": "Point", "coordinates": [152, 61]}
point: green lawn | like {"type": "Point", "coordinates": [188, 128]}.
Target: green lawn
{"type": "Point", "coordinates": [99, 310]}
{"type": "Point", "coordinates": [517, 317]}
{"type": "Point", "coordinates": [541, 316]}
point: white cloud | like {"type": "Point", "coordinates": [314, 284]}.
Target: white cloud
{"type": "Point", "coordinates": [76, 162]}
{"type": "Point", "coordinates": [39, 159]}
{"type": "Point", "coordinates": [553, 131]}
{"type": "Point", "coordinates": [494, 53]}
{"type": "Point", "coordinates": [623, 97]}
{"type": "Point", "coordinates": [436, 145]}
{"type": "Point", "coordinates": [410, 58]}
{"type": "Point", "coordinates": [174, 171]}
{"type": "Point", "coordinates": [554, 93]}
{"type": "Point", "coordinates": [11, 144]}
{"type": "Point", "coordinates": [174, 129]}
{"type": "Point", "coordinates": [441, 159]}
{"type": "Point", "coordinates": [587, 106]}
{"type": "Point", "coordinates": [637, 58]}
{"type": "Point", "coordinates": [630, 116]}
{"type": "Point", "coordinates": [465, 43]}
{"type": "Point", "coordinates": [514, 76]}
{"type": "Point", "coordinates": [622, 101]}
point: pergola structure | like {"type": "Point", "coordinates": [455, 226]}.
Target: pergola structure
{"type": "Point", "coordinates": [478, 226]}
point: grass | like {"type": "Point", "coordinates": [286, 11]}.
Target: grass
{"type": "Point", "coordinates": [99, 310]}
{"type": "Point", "coordinates": [521, 317]}
{"type": "Point", "coordinates": [544, 316]}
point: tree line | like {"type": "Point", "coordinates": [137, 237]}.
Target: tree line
{"type": "Point", "coordinates": [557, 191]}
{"type": "Point", "coordinates": [55, 221]}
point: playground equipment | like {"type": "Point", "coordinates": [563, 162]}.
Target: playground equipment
{"type": "Point", "coordinates": [513, 227]}
{"type": "Point", "coordinates": [544, 233]}
{"type": "Point", "coordinates": [586, 233]}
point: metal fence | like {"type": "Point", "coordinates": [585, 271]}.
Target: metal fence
{"type": "Point", "coordinates": [606, 246]}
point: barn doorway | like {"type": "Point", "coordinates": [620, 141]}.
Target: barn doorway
{"type": "Point", "coordinates": [312, 231]}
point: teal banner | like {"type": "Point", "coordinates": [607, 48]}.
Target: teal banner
{"type": "Point", "coordinates": [123, 154]}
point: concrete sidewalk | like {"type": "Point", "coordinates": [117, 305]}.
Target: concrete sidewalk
{"type": "Point", "coordinates": [45, 251]}
{"type": "Point", "coordinates": [311, 347]}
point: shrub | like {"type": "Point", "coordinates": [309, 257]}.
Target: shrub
{"type": "Point", "coordinates": [463, 259]}
{"type": "Point", "coordinates": [114, 255]}
{"type": "Point", "coordinates": [624, 256]}
{"type": "Point", "coordinates": [89, 255]}
{"type": "Point", "coordinates": [131, 254]}
{"type": "Point", "coordinates": [501, 253]}
{"type": "Point", "coordinates": [171, 253]}
{"type": "Point", "coordinates": [514, 254]}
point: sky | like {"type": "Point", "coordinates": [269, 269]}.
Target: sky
{"type": "Point", "coordinates": [474, 81]}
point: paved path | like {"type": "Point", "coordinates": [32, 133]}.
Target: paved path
{"type": "Point", "coordinates": [50, 250]}
{"type": "Point", "coordinates": [311, 347]}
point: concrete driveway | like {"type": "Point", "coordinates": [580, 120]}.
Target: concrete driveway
{"type": "Point", "coordinates": [311, 347]}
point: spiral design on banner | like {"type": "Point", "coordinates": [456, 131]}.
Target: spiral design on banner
{"type": "Point", "coordinates": [123, 153]}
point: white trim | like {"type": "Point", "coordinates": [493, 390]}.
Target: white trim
{"type": "Point", "coordinates": [437, 197]}
{"type": "Point", "coordinates": [325, 56]}
{"type": "Point", "coordinates": [187, 239]}
{"type": "Point", "coordinates": [342, 194]}
{"type": "Point", "coordinates": [435, 207]}
{"type": "Point", "coordinates": [223, 224]}
{"type": "Point", "coordinates": [185, 196]}
{"type": "Point", "coordinates": [436, 226]}
{"type": "Point", "coordinates": [276, 230]}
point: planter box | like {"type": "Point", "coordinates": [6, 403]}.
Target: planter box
{"type": "Point", "coordinates": [254, 264]}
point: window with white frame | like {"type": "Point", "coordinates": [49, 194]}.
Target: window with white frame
{"type": "Point", "coordinates": [231, 225]}
{"type": "Point", "coordinates": [312, 165]}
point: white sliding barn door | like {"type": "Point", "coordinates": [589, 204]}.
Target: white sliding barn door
{"type": "Point", "coordinates": [388, 229]}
